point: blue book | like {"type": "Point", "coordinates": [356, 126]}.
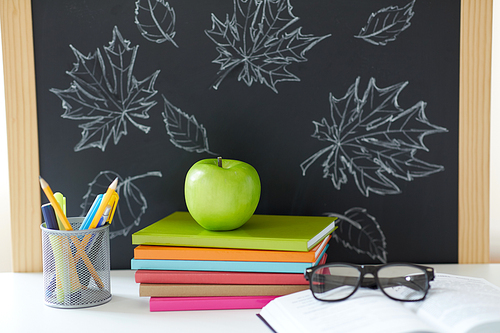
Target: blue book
{"type": "Point", "coordinates": [219, 265]}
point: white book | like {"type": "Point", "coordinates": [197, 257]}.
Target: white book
{"type": "Point", "coordinates": [455, 304]}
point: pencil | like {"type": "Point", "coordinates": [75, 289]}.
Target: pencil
{"type": "Point", "coordinates": [50, 195]}
{"type": "Point", "coordinates": [80, 249]}
{"type": "Point", "coordinates": [104, 203]}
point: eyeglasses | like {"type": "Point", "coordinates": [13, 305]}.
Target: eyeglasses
{"type": "Point", "coordinates": [399, 281]}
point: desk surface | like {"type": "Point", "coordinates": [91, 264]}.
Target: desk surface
{"type": "Point", "coordinates": [23, 310]}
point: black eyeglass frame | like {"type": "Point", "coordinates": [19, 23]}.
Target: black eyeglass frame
{"type": "Point", "coordinates": [370, 269]}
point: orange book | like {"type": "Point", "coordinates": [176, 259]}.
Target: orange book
{"type": "Point", "coordinates": [200, 253]}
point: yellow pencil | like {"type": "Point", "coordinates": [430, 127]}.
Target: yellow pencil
{"type": "Point", "coordinates": [50, 195]}
{"type": "Point", "coordinates": [104, 203]}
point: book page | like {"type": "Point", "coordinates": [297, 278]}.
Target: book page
{"type": "Point", "coordinates": [461, 304]}
{"type": "Point", "coordinates": [365, 311]}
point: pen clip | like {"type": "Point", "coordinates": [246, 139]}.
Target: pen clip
{"type": "Point", "coordinates": [113, 202]}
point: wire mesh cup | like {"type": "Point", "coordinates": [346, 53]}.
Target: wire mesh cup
{"type": "Point", "coordinates": [76, 266]}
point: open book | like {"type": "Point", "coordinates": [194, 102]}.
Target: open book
{"type": "Point", "coordinates": [454, 304]}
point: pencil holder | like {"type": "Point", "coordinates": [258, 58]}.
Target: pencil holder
{"type": "Point", "coordinates": [76, 266]}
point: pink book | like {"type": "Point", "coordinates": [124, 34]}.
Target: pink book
{"type": "Point", "coordinates": [208, 303]}
{"type": "Point", "coordinates": [209, 277]}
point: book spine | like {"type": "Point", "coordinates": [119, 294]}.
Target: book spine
{"type": "Point", "coordinates": [208, 303]}
{"type": "Point", "coordinates": [206, 277]}
{"type": "Point", "coordinates": [175, 253]}
{"type": "Point", "coordinates": [209, 265]}
{"type": "Point", "coordinates": [255, 244]}
{"type": "Point", "coordinates": [203, 290]}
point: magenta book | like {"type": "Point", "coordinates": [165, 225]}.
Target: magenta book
{"type": "Point", "coordinates": [208, 303]}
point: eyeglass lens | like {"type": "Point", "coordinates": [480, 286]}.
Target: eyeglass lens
{"type": "Point", "coordinates": [334, 283]}
{"type": "Point", "coordinates": [406, 283]}
{"type": "Point", "coordinates": [401, 282]}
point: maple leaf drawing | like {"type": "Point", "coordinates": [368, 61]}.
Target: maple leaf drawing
{"type": "Point", "coordinates": [258, 40]}
{"type": "Point", "coordinates": [184, 130]}
{"type": "Point", "coordinates": [155, 20]}
{"type": "Point", "coordinates": [386, 24]}
{"type": "Point", "coordinates": [373, 139]}
{"type": "Point", "coordinates": [105, 95]}
{"type": "Point", "coordinates": [131, 206]}
{"type": "Point", "coordinates": [359, 231]}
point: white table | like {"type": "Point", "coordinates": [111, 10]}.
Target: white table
{"type": "Point", "coordinates": [22, 308]}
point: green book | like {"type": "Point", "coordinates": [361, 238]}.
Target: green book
{"type": "Point", "coordinates": [262, 232]}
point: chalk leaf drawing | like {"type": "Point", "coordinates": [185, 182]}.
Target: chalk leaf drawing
{"type": "Point", "coordinates": [372, 139]}
{"type": "Point", "coordinates": [131, 206]}
{"type": "Point", "coordinates": [386, 24]}
{"type": "Point", "coordinates": [259, 41]}
{"type": "Point", "coordinates": [105, 95]}
{"type": "Point", "coordinates": [184, 130]}
{"type": "Point", "coordinates": [359, 231]}
{"type": "Point", "coordinates": [155, 20]}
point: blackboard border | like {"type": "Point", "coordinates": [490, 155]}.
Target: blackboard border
{"type": "Point", "coordinates": [22, 132]}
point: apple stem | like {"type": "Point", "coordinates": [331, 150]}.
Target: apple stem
{"type": "Point", "coordinates": [219, 161]}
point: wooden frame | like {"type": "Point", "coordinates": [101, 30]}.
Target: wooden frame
{"type": "Point", "coordinates": [474, 131]}
{"type": "Point", "coordinates": [22, 132]}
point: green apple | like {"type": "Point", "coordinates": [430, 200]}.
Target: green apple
{"type": "Point", "coordinates": [221, 194]}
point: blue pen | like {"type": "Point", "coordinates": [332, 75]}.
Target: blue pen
{"type": "Point", "coordinates": [90, 215]}
{"type": "Point", "coordinates": [100, 224]}
{"type": "Point", "coordinates": [49, 216]}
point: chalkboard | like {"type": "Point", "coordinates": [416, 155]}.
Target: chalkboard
{"type": "Point", "coordinates": [346, 108]}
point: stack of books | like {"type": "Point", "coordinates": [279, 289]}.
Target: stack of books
{"type": "Point", "coordinates": [182, 266]}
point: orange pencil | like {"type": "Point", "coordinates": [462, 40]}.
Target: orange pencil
{"type": "Point", "coordinates": [50, 195]}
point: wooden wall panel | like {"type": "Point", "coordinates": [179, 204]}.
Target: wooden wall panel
{"type": "Point", "coordinates": [22, 134]}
